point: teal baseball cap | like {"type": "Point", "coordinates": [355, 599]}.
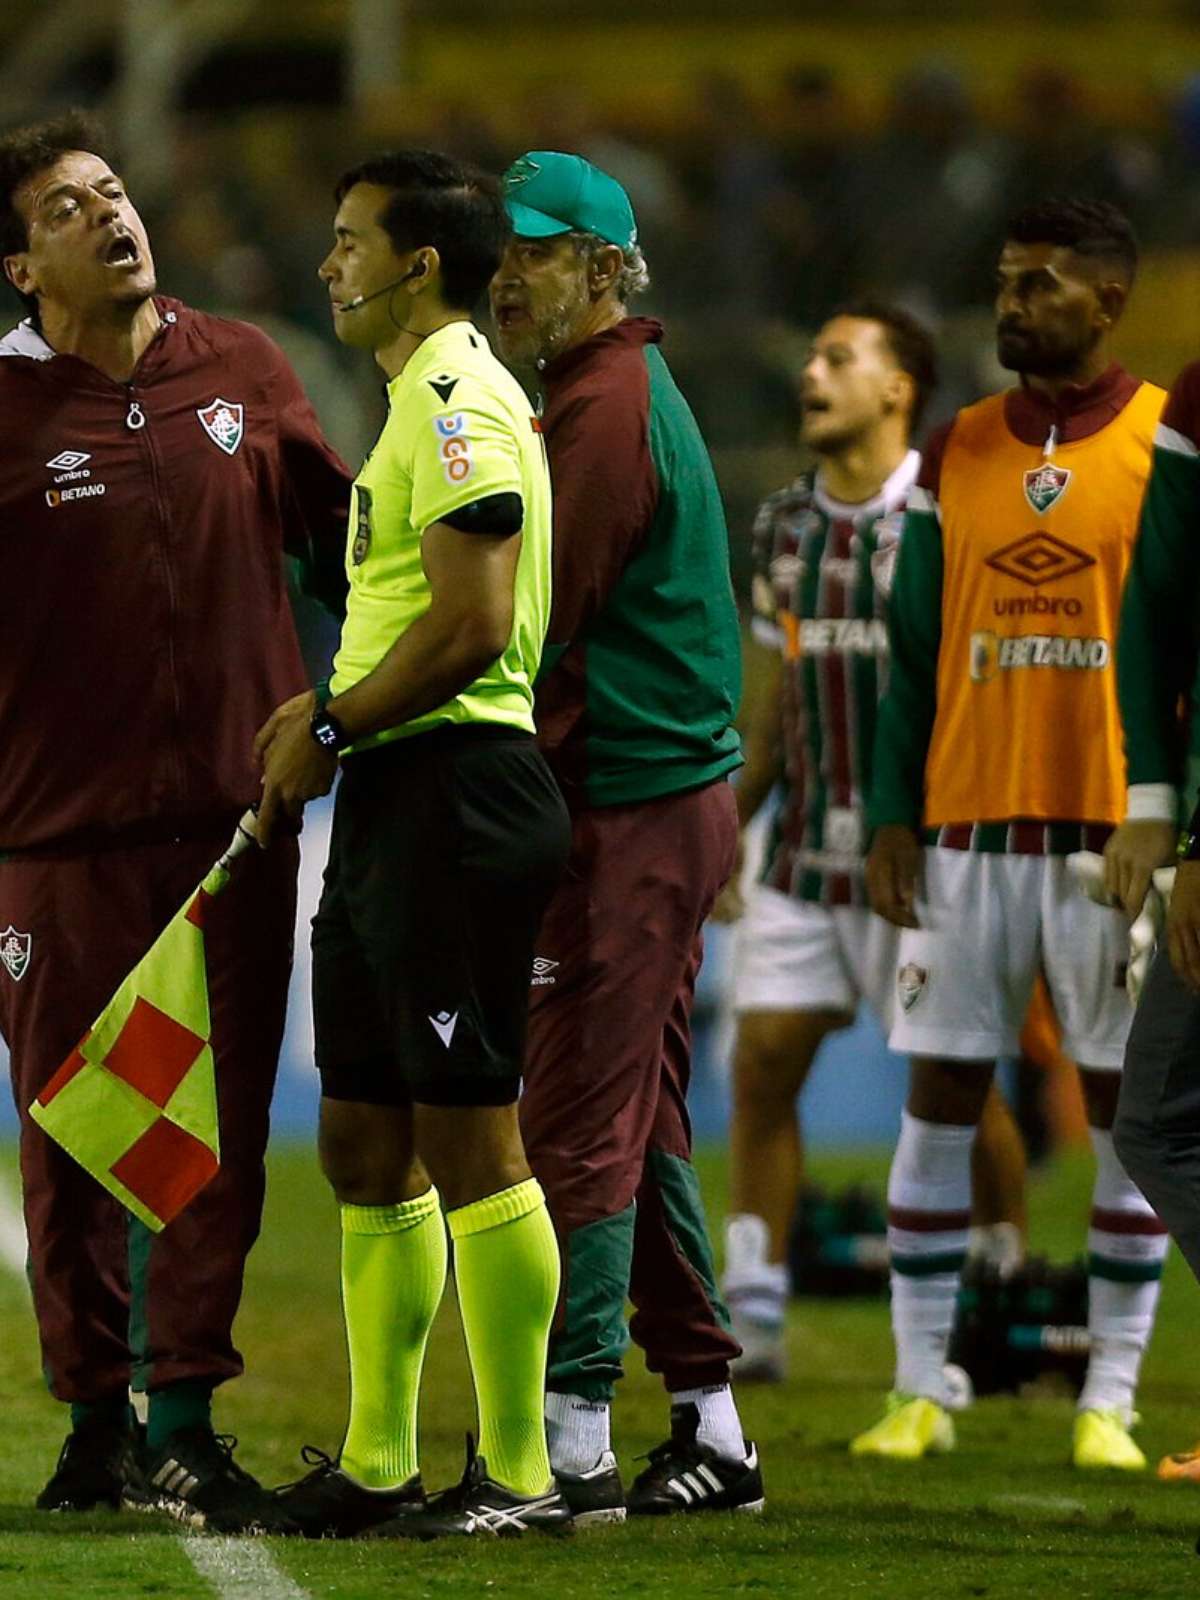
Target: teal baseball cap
{"type": "Point", "coordinates": [547, 193]}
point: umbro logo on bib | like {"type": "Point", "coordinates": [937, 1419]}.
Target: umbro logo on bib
{"type": "Point", "coordinates": [1039, 558]}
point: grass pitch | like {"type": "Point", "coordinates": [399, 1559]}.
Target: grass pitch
{"type": "Point", "coordinates": [1004, 1516]}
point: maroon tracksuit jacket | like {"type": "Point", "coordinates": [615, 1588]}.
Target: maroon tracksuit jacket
{"type": "Point", "coordinates": [146, 636]}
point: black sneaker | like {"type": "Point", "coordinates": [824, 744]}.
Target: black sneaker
{"type": "Point", "coordinates": [97, 1466]}
{"type": "Point", "coordinates": [685, 1475]}
{"type": "Point", "coordinates": [326, 1504]}
{"type": "Point", "coordinates": [596, 1496]}
{"type": "Point", "coordinates": [478, 1505]}
{"type": "Point", "coordinates": [195, 1479]}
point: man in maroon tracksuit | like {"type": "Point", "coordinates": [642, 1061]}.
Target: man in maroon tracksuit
{"type": "Point", "coordinates": [156, 464]}
{"type": "Point", "coordinates": [635, 705]}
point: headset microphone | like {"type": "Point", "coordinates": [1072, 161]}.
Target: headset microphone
{"type": "Point", "coordinates": [417, 271]}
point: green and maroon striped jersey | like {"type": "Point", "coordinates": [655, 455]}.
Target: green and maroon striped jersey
{"type": "Point", "coordinates": [821, 574]}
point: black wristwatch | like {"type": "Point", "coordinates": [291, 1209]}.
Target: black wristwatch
{"type": "Point", "coordinates": [327, 731]}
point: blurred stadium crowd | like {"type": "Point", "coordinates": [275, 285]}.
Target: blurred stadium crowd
{"type": "Point", "coordinates": [757, 219]}
{"type": "Point", "coordinates": [762, 205]}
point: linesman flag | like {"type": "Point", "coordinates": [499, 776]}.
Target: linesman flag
{"type": "Point", "coordinates": [136, 1101]}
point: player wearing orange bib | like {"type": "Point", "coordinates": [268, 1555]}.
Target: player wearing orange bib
{"type": "Point", "coordinates": [1000, 738]}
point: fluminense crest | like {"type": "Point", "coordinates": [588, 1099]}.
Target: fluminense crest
{"type": "Point", "coordinates": [520, 172]}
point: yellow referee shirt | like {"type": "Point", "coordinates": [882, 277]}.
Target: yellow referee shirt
{"type": "Point", "coordinates": [459, 428]}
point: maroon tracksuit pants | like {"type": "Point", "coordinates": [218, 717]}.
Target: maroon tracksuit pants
{"type": "Point", "coordinates": [604, 1109]}
{"type": "Point", "coordinates": [115, 1303]}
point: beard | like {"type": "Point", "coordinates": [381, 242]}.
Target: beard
{"type": "Point", "coordinates": [1032, 357]}
{"type": "Point", "coordinates": [549, 331]}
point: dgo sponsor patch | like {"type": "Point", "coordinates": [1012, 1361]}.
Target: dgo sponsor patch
{"type": "Point", "coordinates": [454, 446]}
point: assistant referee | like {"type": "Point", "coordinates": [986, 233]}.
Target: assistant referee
{"type": "Point", "coordinates": [448, 837]}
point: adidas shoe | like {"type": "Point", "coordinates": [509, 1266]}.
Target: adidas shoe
{"type": "Point", "coordinates": [1102, 1439]}
{"type": "Point", "coordinates": [195, 1479]}
{"type": "Point", "coordinates": [479, 1506]}
{"type": "Point", "coordinates": [911, 1427]}
{"type": "Point", "coordinates": [686, 1476]}
{"type": "Point", "coordinates": [596, 1496]}
{"type": "Point", "coordinates": [98, 1465]}
{"type": "Point", "coordinates": [1182, 1466]}
{"type": "Point", "coordinates": [326, 1504]}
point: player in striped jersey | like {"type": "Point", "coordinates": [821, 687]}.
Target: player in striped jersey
{"type": "Point", "coordinates": [808, 949]}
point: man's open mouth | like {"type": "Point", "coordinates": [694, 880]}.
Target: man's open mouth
{"type": "Point", "coordinates": [122, 252]}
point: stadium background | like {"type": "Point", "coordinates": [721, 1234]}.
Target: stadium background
{"type": "Point", "coordinates": [779, 160]}
{"type": "Point", "coordinates": [781, 155]}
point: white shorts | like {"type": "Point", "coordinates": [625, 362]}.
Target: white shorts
{"type": "Point", "coordinates": [793, 955]}
{"type": "Point", "coordinates": [989, 923]}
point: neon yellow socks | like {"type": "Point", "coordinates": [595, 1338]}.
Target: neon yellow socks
{"type": "Point", "coordinates": [507, 1270]}
{"type": "Point", "coordinates": [393, 1274]}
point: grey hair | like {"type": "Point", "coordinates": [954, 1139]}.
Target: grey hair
{"type": "Point", "coordinates": [635, 274]}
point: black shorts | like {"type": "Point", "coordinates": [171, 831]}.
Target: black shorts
{"type": "Point", "coordinates": [445, 850]}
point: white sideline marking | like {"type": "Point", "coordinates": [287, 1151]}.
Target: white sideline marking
{"type": "Point", "coordinates": [240, 1569]}
{"type": "Point", "coordinates": [1060, 1504]}
{"type": "Point", "coordinates": [12, 1233]}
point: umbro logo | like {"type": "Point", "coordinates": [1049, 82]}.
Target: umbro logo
{"type": "Point", "coordinates": [444, 1024]}
{"type": "Point", "coordinates": [543, 969]}
{"type": "Point", "coordinates": [68, 460]}
{"type": "Point", "coordinates": [1039, 558]}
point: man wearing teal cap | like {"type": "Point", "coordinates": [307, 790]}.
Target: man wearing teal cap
{"type": "Point", "coordinates": [634, 705]}
{"type": "Point", "coordinates": [553, 187]}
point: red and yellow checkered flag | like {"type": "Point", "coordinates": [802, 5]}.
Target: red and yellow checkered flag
{"type": "Point", "coordinates": [136, 1101]}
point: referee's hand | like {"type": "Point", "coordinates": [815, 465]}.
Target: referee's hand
{"type": "Point", "coordinates": [1183, 924]}
{"type": "Point", "coordinates": [295, 768]}
{"type": "Point", "coordinates": [893, 869]}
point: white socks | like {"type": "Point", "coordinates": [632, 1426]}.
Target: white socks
{"type": "Point", "coordinates": [1127, 1246]}
{"type": "Point", "coordinates": [720, 1426]}
{"type": "Point", "coordinates": [929, 1211]}
{"type": "Point", "coordinates": [578, 1432]}
{"type": "Point", "coordinates": [756, 1289]}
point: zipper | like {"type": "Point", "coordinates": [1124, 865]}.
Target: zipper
{"type": "Point", "coordinates": [135, 420]}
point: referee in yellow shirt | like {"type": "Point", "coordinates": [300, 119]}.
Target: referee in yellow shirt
{"type": "Point", "coordinates": [448, 837]}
